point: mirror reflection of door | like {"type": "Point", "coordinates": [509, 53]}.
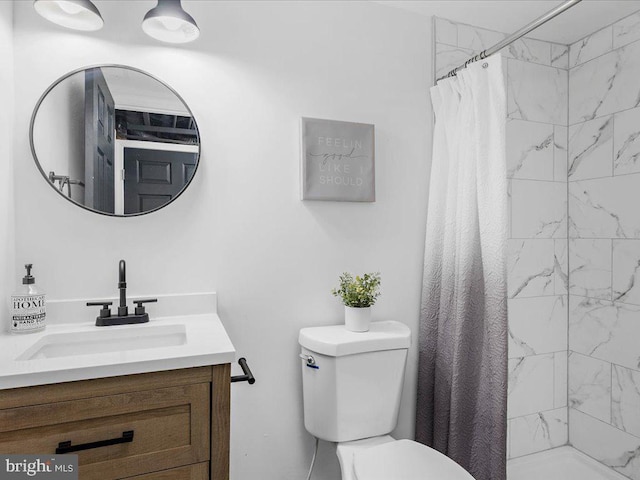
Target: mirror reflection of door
{"type": "Point", "coordinates": [154, 173]}
{"type": "Point", "coordinates": [99, 142]}
{"type": "Point", "coordinates": [156, 148]}
{"type": "Point", "coordinates": [157, 153]}
{"type": "Point", "coordinates": [154, 177]}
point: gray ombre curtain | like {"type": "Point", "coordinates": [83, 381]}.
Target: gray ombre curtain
{"type": "Point", "coordinates": [462, 369]}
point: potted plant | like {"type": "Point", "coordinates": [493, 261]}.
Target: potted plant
{"type": "Point", "coordinates": [358, 294]}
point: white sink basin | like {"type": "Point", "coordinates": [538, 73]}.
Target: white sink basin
{"type": "Point", "coordinates": [106, 340]}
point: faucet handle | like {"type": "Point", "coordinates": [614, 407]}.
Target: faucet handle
{"type": "Point", "coordinates": [140, 307]}
{"type": "Point", "coordinates": [105, 311]}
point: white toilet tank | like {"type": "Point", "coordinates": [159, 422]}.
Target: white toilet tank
{"type": "Point", "coordinates": [352, 381]}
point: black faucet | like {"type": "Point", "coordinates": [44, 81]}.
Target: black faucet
{"type": "Point", "coordinates": [123, 317]}
{"type": "Point", "coordinates": [123, 310]}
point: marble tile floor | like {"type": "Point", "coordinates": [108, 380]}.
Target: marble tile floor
{"type": "Point", "coordinates": [563, 463]}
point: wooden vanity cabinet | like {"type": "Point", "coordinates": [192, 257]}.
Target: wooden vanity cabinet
{"type": "Point", "coordinates": [179, 420]}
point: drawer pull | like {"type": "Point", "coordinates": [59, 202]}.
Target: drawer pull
{"type": "Point", "coordinates": [66, 447]}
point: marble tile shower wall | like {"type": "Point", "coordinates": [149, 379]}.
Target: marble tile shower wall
{"type": "Point", "coordinates": [537, 100]}
{"type": "Point", "coordinates": [604, 245]}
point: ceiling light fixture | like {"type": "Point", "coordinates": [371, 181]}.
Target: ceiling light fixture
{"type": "Point", "coordinates": [75, 14]}
{"type": "Point", "coordinates": [168, 22]}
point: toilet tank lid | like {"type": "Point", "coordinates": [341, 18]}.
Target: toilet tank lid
{"type": "Point", "coordinates": [336, 340]}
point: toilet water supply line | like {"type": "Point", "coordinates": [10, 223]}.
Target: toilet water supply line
{"type": "Point", "coordinates": [313, 459]}
{"type": "Point", "coordinates": [311, 363]}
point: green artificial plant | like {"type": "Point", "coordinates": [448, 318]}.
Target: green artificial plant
{"type": "Point", "coordinates": [359, 292]}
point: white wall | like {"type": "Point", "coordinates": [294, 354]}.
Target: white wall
{"type": "Point", "coordinates": [61, 149]}
{"type": "Point", "coordinates": [7, 279]}
{"type": "Point", "coordinates": [241, 229]}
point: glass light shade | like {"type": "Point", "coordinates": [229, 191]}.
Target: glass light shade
{"type": "Point", "coordinates": [168, 22]}
{"type": "Point", "coordinates": [74, 14]}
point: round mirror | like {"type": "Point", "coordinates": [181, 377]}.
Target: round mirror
{"type": "Point", "coordinates": [115, 140]}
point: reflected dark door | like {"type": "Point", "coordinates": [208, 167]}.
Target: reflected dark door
{"type": "Point", "coordinates": [153, 178]}
{"type": "Point", "coordinates": [99, 111]}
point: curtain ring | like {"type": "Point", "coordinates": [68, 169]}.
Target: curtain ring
{"type": "Point", "coordinates": [485, 65]}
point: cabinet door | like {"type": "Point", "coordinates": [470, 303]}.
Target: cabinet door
{"type": "Point", "coordinates": [199, 471]}
{"type": "Point", "coordinates": [170, 429]}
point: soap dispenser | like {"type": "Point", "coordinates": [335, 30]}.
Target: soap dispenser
{"type": "Point", "coordinates": [28, 311]}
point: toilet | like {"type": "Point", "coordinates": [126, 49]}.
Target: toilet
{"type": "Point", "coordinates": [351, 383]}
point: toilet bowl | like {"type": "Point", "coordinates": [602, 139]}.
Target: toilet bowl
{"type": "Point", "coordinates": [384, 458]}
{"type": "Point", "coordinates": [351, 388]}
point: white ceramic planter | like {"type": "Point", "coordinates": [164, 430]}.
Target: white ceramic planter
{"type": "Point", "coordinates": [357, 319]}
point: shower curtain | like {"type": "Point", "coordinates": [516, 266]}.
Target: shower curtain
{"type": "Point", "coordinates": [462, 367]}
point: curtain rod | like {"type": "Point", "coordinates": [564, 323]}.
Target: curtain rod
{"type": "Point", "coordinates": [512, 38]}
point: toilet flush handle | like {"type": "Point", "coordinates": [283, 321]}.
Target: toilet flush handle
{"type": "Point", "coordinates": [311, 362]}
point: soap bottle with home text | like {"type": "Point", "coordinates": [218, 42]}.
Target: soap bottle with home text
{"type": "Point", "coordinates": [28, 311]}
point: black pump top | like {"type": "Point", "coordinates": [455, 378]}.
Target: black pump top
{"type": "Point", "coordinates": [28, 279]}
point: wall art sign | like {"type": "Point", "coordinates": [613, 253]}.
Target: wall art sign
{"type": "Point", "coordinates": [338, 161]}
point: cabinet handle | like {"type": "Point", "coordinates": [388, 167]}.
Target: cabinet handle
{"type": "Point", "coordinates": [66, 447]}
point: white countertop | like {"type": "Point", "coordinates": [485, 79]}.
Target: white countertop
{"type": "Point", "coordinates": [206, 343]}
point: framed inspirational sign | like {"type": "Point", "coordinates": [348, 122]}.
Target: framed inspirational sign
{"type": "Point", "coordinates": [338, 161]}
